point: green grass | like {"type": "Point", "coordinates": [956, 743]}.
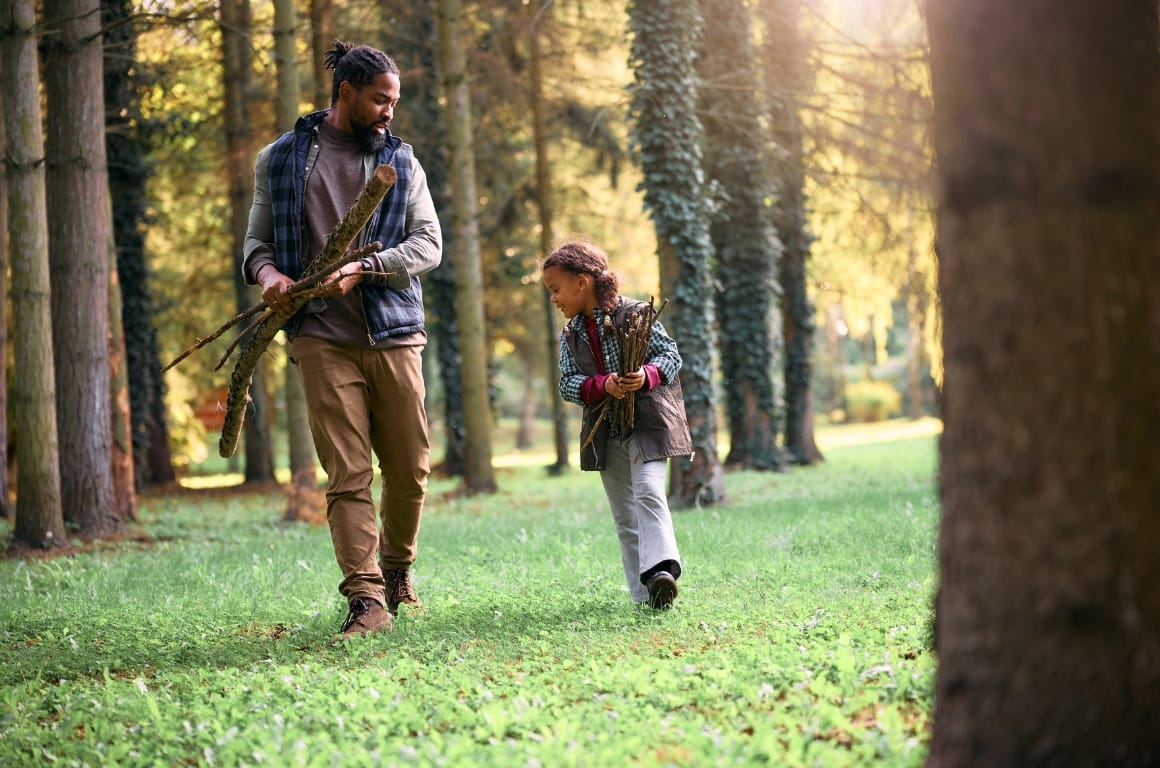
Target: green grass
{"type": "Point", "coordinates": [801, 637]}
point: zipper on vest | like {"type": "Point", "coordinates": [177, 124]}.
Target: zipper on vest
{"type": "Point", "coordinates": [363, 311]}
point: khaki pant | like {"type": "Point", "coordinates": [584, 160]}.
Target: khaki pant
{"type": "Point", "coordinates": [362, 401]}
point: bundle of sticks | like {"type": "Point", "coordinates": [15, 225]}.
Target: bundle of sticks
{"type": "Point", "coordinates": [634, 341]}
{"type": "Point", "coordinates": [265, 321]}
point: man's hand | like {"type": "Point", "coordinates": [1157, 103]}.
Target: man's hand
{"type": "Point", "coordinates": [343, 280]}
{"type": "Point", "coordinates": [275, 289]}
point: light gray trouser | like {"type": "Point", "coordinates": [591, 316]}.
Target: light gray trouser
{"type": "Point", "coordinates": [640, 509]}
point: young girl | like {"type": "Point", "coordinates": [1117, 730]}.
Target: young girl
{"type": "Point", "coordinates": [631, 459]}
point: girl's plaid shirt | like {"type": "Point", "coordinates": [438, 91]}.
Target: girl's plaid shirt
{"type": "Point", "coordinates": [662, 352]}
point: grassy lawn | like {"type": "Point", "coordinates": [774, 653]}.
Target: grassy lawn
{"type": "Point", "coordinates": [801, 637]}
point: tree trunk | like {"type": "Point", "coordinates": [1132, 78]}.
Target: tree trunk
{"type": "Point", "coordinates": [786, 83]}
{"type": "Point", "coordinates": [479, 475]}
{"type": "Point", "coordinates": [128, 174]}
{"type": "Point", "coordinates": [121, 411]}
{"type": "Point", "coordinates": [321, 35]}
{"type": "Point", "coordinates": [414, 37]}
{"type": "Point", "coordinates": [77, 187]}
{"type": "Point", "coordinates": [1048, 614]}
{"type": "Point", "coordinates": [669, 136]}
{"type": "Point", "coordinates": [5, 503]}
{"type": "Point", "coordinates": [744, 240]}
{"type": "Point", "coordinates": [236, 67]}
{"type": "Point", "coordinates": [303, 475]}
{"type": "Point", "coordinates": [544, 204]}
{"type": "Point", "coordinates": [39, 515]}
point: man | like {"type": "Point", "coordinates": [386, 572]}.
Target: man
{"type": "Point", "coordinates": [358, 351]}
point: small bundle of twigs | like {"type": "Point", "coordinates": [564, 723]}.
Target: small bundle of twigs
{"type": "Point", "coordinates": [634, 342]}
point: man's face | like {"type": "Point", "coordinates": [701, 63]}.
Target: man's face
{"type": "Point", "coordinates": [371, 108]}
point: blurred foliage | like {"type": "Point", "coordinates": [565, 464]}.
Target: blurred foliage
{"type": "Point", "coordinates": [869, 162]}
{"type": "Point", "coordinates": [872, 401]}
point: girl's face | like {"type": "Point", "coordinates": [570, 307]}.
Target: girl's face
{"type": "Point", "coordinates": [573, 294]}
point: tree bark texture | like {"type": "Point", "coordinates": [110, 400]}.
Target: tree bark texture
{"type": "Point", "coordinates": [1048, 613]}
{"type": "Point", "coordinates": [79, 233]}
{"type": "Point", "coordinates": [39, 515]}
{"type": "Point", "coordinates": [120, 409]}
{"type": "Point", "coordinates": [128, 175]}
{"type": "Point", "coordinates": [415, 38]}
{"type": "Point", "coordinates": [236, 69]}
{"type": "Point", "coordinates": [5, 503]}
{"type": "Point", "coordinates": [301, 442]}
{"type": "Point", "coordinates": [786, 82]}
{"type": "Point", "coordinates": [747, 248]}
{"type": "Point", "coordinates": [668, 136]}
{"type": "Point", "coordinates": [321, 35]}
{"type": "Point", "coordinates": [539, 11]}
{"type": "Point", "coordinates": [478, 473]}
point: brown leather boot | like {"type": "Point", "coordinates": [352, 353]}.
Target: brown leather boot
{"type": "Point", "coordinates": [365, 616]}
{"type": "Point", "coordinates": [400, 591]}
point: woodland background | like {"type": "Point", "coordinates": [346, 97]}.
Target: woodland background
{"type": "Point", "coordinates": [764, 165]}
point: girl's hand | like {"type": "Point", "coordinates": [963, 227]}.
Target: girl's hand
{"type": "Point", "coordinates": [613, 386]}
{"type": "Point", "coordinates": [631, 382]}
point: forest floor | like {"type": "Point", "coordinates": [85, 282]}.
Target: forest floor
{"type": "Point", "coordinates": [802, 636]}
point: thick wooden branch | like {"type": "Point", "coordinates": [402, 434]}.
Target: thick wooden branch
{"type": "Point", "coordinates": [335, 250]}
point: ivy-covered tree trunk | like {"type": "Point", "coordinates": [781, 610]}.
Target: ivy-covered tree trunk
{"type": "Point", "coordinates": [414, 39]}
{"type": "Point", "coordinates": [236, 72]}
{"type": "Point", "coordinates": [125, 147]}
{"type": "Point", "coordinates": [786, 81]}
{"type": "Point", "coordinates": [478, 472]}
{"type": "Point", "coordinates": [39, 514]}
{"type": "Point", "coordinates": [668, 136]}
{"type": "Point", "coordinates": [748, 251]}
{"type": "Point", "coordinates": [79, 234]}
{"type": "Point", "coordinates": [1048, 612]}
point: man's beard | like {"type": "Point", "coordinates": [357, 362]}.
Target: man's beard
{"type": "Point", "coordinates": [368, 138]}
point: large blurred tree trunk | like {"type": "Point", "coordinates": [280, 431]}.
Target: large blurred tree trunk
{"type": "Point", "coordinates": [303, 476]}
{"type": "Point", "coordinates": [746, 245]}
{"type": "Point", "coordinates": [1047, 133]}
{"type": "Point", "coordinates": [5, 510]}
{"type": "Point", "coordinates": [414, 41]}
{"type": "Point", "coordinates": [236, 67]}
{"type": "Point", "coordinates": [39, 516]}
{"type": "Point", "coordinates": [478, 474]}
{"type": "Point", "coordinates": [128, 174]}
{"type": "Point", "coordinates": [79, 234]}
{"type": "Point", "coordinates": [786, 84]}
{"type": "Point", "coordinates": [668, 136]}
{"type": "Point", "coordinates": [539, 12]}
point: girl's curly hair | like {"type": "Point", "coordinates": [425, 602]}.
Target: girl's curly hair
{"type": "Point", "coordinates": [581, 258]}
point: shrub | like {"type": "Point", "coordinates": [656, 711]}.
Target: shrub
{"type": "Point", "coordinates": [872, 401]}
